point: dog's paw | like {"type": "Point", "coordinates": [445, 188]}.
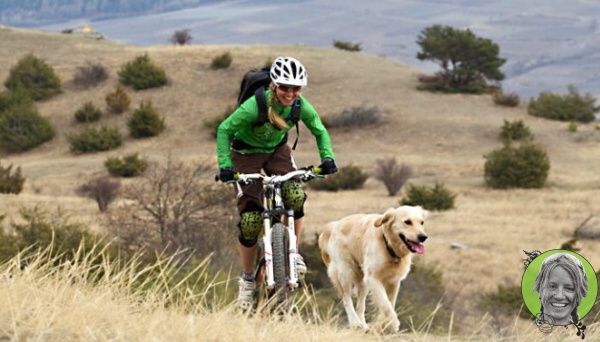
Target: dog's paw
{"type": "Point", "coordinates": [393, 325]}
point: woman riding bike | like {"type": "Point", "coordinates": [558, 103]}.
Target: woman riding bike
{"type": "Point", "coordinates": [242, 147]}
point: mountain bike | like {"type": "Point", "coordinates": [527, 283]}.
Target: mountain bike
{"type": "Point", "coordinates": [276, 271]}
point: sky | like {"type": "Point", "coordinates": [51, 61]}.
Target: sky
{"type": "Point", "coordinates": [548, 44]}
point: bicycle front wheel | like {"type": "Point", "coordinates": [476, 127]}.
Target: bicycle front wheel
{"type": "Point", "coordinates": [280, 265]}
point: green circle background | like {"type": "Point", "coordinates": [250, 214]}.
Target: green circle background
{"type": "Point", "coordinates": [532, 300]}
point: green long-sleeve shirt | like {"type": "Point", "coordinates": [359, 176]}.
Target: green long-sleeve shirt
{"type": "Point", "coordinates": [265, 138]}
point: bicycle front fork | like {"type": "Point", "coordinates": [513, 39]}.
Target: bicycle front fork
{"type": "Point", "coordinates": [292, 278]}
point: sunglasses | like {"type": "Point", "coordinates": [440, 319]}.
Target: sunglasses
{"type": "Point", "coordinates": [286, 88]}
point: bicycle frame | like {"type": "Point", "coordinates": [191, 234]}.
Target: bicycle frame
{"type": "Point", "coordinates": [274, 209]}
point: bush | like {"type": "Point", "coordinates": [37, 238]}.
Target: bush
{"type": "Point", "coordinates": [103, 189]}
{"type": "Point", "coordinates": [129, 166]}
{"type": "Point", "coordinates": [181, 37]}
{"type": "Point", "coordinates": [11, 183]}
{"type": "Point", "coordinates": [391, 174]}
{"type": "Point", "coordinates": [430, 198]}
{"type": "Point", "coordinates": [356, 117]}
{"type": "Point", "coordinates": [35, 76]}
{"type": "Point", "coordinates": [507, 100]}
{"type": "Point", "coordinates": [222, 61]}
{"type": "Point", "coordinates": [142, 73]}
{"type": "Point", "coordinates": [570, 107]}
{"type": "Point", "coordinates": [506, 301]}
{"type": "Point", "coordinates": [15, 97]}
{"type": "Point", "coordinates": [515, 130]}
{"type": "Point", "coordinates": [22, 128]}
{"type": "Point", "coordinates": [347, 46]}
{"type": "Point", "coordinates": [90, 75]}
{"type": "Point", "coordinates": [525, 166]}
{"type": "Point", "coordinates": [347, 178]}
{"type": "Point", "coordinates": [145, 122]}
{"type": "Point", "coordinates": [117, 101]}
{"type": "Point", "coordinates": [88, 113]}
{"type": "Point", "coordinates": [38, 232]}
{"type": "Point", "coordinates": [93, 140]}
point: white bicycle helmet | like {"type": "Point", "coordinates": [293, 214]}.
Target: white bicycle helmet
{"type": "Point", "coordinates": [288, 71]}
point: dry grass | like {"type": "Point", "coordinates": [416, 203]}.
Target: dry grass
{"type": "Point", "coordinates": [441, 137]}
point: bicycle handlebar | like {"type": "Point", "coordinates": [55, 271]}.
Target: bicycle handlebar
{"type": "Point", "coordinates": [304, 173]}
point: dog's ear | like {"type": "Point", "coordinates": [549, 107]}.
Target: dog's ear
{"type": "Point", "coordinates": [387, 217]}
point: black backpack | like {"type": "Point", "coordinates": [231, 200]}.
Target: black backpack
{"type": "Point", "coordinates": [254, 83]}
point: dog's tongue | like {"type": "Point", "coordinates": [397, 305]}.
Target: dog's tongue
{"type": "Point", "coordinates": [418, 247]}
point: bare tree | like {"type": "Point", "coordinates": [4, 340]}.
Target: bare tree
{"type": "Point", "coordinates": [174, 207]}
{"type": "Point", "coordinates": [391, 174]}
{"type": "Point", "coordinates": [181, 37]}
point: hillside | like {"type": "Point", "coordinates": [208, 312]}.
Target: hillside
{"type": "Point", "coordinates": [442, 137]}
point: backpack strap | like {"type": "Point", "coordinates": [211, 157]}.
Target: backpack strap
{"type": "Point", "coordinates": [261, 101]}
{"type": "Point", "coordinates": [295, 118]}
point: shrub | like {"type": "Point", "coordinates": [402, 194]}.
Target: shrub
{"type": "Point", "coordinates": [129, 166]}
{"type": "Point", "coordinates": [181, 37]}
{"type": "Point", "coordinates": [22, 128]}
{"type": "Point", "coordinates": [90, 75]}
{"type": "Point", "coordinates": [222, 61]}
{"type": "Point", "coordinates": [525, 166]}
{"type": "Point", "coordinates": [515, 130]}
{"type": "Point", "coordinates": [145, 122]}
{"type": "Point", "coordinates": [391, 174]}
{"type": "Point", "coordinates": [507, 100]}
{"type": "Point", "coordinates": [88, 113]}
{"type": "Point", "coordinates": [347, 178]}
{"type": "Point", "coordinates": [506, 301]}
{"type": "Point", "coordinates": [11, 183]}
{"type": "Point", "coordinates": [37, 231]}
{"type": "Point", "coordinates": [347, 46]}
{"type": "Point", "coordinates": [572, 127]}
{"type": "Point", "coordinates": [142, 73]}
{"type": "Point", "coordinates": [356, 117]}
{"type": "Point", "coordinates": [15, 97]}
{"type": "Point", "coordinates": [93, 140]}
{"type": "Point", "coordinates": [430, 198]}
{"type": "Point", "coordinates": [570, 107]}
{"type": "Point", "coordinates": [103, 189]}
{"type": "Point", "coordinates": [117, 101]}
{"type": "Point", "coordinates": [35, 76]}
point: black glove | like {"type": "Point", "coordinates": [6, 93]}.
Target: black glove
{"type": "Point", "coordinates": [328, 166]}
{"type": "Point", "coordinates": [226, 174]}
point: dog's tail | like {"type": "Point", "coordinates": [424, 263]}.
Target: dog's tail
{"type": "Point", "coordinates": [323, 241]}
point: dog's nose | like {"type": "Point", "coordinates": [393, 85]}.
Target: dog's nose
{"type": "Point", "coordinates": [422, 237]}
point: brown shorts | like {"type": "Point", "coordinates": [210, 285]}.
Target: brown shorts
{"type": "Point", "coordinates": [279, 162]}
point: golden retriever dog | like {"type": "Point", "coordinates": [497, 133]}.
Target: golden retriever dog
{"type": "Point", "coordinates": [371, 253]}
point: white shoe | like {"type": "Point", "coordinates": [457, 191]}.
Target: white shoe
{"type": "Point", "coordinates": [300, 266]}
{"type": "Point", "coordinates": [246, 294]}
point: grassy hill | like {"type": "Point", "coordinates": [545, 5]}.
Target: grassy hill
{"type": "Point", "coordinates": [441, 137]}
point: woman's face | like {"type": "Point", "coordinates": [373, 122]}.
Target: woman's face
{"type": "Point", "coordinates": [559, 296]}
{"type": "Point", "coordinates": [287, 94]}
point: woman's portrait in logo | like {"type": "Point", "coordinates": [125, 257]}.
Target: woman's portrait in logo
{"type": "Point", "coordinates": [559, 287]}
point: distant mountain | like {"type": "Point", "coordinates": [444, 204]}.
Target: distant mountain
{"type": "Point", "coordinates": [36, 12]}
{"type": "Point", "coordinates": [548, 44]}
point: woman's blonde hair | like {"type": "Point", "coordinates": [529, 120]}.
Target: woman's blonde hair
{"type": "Point", "coordinates": [275, 119]}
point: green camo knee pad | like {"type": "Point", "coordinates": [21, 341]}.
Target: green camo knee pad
{"type": "Point", "coordinates": [251, 223]}
{"type": "Point", "coordinates": [293, 195]}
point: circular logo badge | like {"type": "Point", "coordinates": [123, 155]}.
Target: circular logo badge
{"type": "Point", "coordinates": [559, 288]}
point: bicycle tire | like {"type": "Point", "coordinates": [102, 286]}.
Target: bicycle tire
{"type": "Point", "coordinates": [280, 266]}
